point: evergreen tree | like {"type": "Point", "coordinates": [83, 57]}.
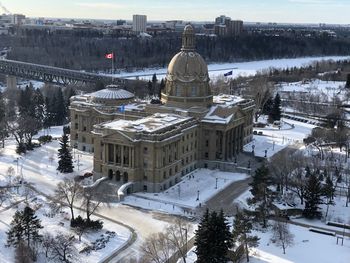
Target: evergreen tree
{"type": "Point", "coordinates": [150, 88]}
{"type": "Point", "coordinates": [60, 108]}
{"type": "Point", "coordinates": [329, 192]}
{"type": "Point", "coordinates": [202, 238]}
{"type": "Point", "coordinates": [267, 106]}
{"type": "Point", "coordinates": [275, 113]}
{"type": "Point", "coordinates": [213, 238]}
{"type": "Point", "coordinates": [313, 193]}
{"type": "Point", "coordinates": [154, 83]}
{"type": "Point", "coordinates": [65, 163]}
{"type": "Point", "coordinates": [24, 226]}
{"type": "Point", "coordinates": [161, 88]}
{"type": "Point", "coordinates": [347, 81]}
{"type": "Point", "coordinates": [242, 227]}
{"type": "Point", "coordinates": [3, 120]}
{"type": "Point", "coordinates": [262, 194]}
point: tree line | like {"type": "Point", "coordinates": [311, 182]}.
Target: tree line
{"type": "Point", "coordinates": [23, 112]}
{"type": "Point", "coordinates": [86, 51]}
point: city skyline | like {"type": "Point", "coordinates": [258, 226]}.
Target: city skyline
{"type": "Point", "coordinates": [280, 11]}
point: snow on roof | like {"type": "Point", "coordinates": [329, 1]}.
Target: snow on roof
{"type": "Point", "coordinates": [148, 124]}
{"type": "Point", "coordinates": [228, 100]}
{"type": "Point", "coordinates": [218, 114]}
{"type": "Point", "coordinates": [112, 92]}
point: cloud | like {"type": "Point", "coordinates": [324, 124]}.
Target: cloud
{"type": "Point", "coordinates": [101, 5]}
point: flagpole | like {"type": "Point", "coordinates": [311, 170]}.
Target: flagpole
{"type": "Point", "coordinates": [112, 67]}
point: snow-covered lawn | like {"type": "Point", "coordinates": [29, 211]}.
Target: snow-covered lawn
{"type": "Point", "coordinates": [60, 224]}
{"type": "Point", "coordinates": [39, 166]}
{"type": "Point", "coordinates": [307, 247]}
{"type": "Point", "coordinates": [328, 89]}
{"type": "Point", "coordinates": [274, 139]}
{"type": "Point", "coordinates": [184, 195]}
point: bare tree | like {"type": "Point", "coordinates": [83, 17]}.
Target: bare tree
{"type": "Point", "coordinates": [10, 173]}
{"type": "Point", "coordinates": [296, 179]}
{"type": "Point", "coordinates": [177, 235]}
{"type": "Point", "coordinates": [4, 194]}
{"type": "Point", "coordinates": [156, 248]}
{"type": "Point", "coordinates": [63, 249]}
{"type": "Point", "coordinates": [260, 89]}
{"type": "Point", "coordinates": [281, 235]}
{"type": "Point", "coordinates": [47, 243]}
{"type": "Point", "coordinates": [91, 200]}
{"type": "Point", "coordinates": [67, 192]}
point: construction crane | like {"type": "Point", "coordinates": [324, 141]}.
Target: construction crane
{"type": "Point", "coordinates": [6, 11]}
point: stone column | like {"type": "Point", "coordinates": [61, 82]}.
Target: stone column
{"type": "Point", "coordinates": [122, 156]}
{"type": "Point", "coordinates": [115, 153]}
{"type": "Point", "coordinates": [224, 146]}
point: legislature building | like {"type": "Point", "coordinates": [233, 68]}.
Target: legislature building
{"type": "Point", "coordinates": [140, 146]}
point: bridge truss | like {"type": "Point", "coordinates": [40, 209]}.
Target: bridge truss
{"type": "Point", "coordinates": [54, 75]}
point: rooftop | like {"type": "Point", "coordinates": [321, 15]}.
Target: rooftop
{"type": "Point", "coordinates": [150, 124]}
{"type": "Point", "coordinates": [227, 100]}
{"type": "Point", "coordinates": [112, 92]}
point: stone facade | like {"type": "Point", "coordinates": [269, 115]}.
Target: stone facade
{"type": "Point", "coordinates": [149, 147]}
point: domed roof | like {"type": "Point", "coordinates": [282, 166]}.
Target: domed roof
{"type": "Point", "coordinates": [187, 67]}
{"type": "Point", "coordinates": [187, 78]}
{"type": "Point", "coordinates": [112, 92]}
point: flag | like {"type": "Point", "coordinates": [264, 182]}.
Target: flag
{"type": "Point", "coordinates": [228, 73]}
{"type": "Point", "coordinates": [109, 55]}
{"type": "Point", "coordinates": [122, 108]}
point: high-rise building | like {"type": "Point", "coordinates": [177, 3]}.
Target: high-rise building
{"type": "Point", "coordinates": [235, 27]}
{"type": "Point", "coordinates": [18, 19]}
{"type": "Point", "coordinates": [224, 26]}
{"type": "Point", "coordinates": [139, 23]}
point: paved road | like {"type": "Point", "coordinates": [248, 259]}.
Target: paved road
{"type": "Point", "coordinates": [225, 198]}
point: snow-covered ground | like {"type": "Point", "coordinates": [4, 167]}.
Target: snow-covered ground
{"type": "Point", "coordinates": [239, 69]}
{"type": "Point", "coordinates": [183, 197]}
{"type": "Point", "coordinates": [314, 86]}
{"type": "Point", "coordinates": [272, 139]}
{"type": "Point", "coordinates": [60, 224]}
{"type": "Point", "coordinates": [307, 247]}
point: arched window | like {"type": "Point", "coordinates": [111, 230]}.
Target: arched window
{"type": "Point", "coordinates": [178, 91]}
{"type": "Point", "coordinates": [193, 91]}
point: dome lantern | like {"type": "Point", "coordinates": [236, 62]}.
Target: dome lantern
{"type": "Point", "coordinates": [188, 39]}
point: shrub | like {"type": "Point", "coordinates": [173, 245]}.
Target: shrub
{"type": "Point", "coordinates": [88, 224]}
{"type": "Point", "coordinates": [45, 139]}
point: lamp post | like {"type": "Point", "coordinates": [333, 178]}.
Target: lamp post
{"type": "Point", "coordinates": [197, 195]}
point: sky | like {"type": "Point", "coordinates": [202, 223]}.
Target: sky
{"type": "Point", "coordinates": [280, 11]}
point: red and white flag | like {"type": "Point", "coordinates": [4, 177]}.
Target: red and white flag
{"type": "Point", "coordinates": [109, 56]}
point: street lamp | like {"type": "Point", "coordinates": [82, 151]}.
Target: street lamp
{"type": "Point", "coordinates": [197, 195]}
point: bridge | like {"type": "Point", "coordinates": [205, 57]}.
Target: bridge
{"type": "Point", "coordinates": [48, 74]}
